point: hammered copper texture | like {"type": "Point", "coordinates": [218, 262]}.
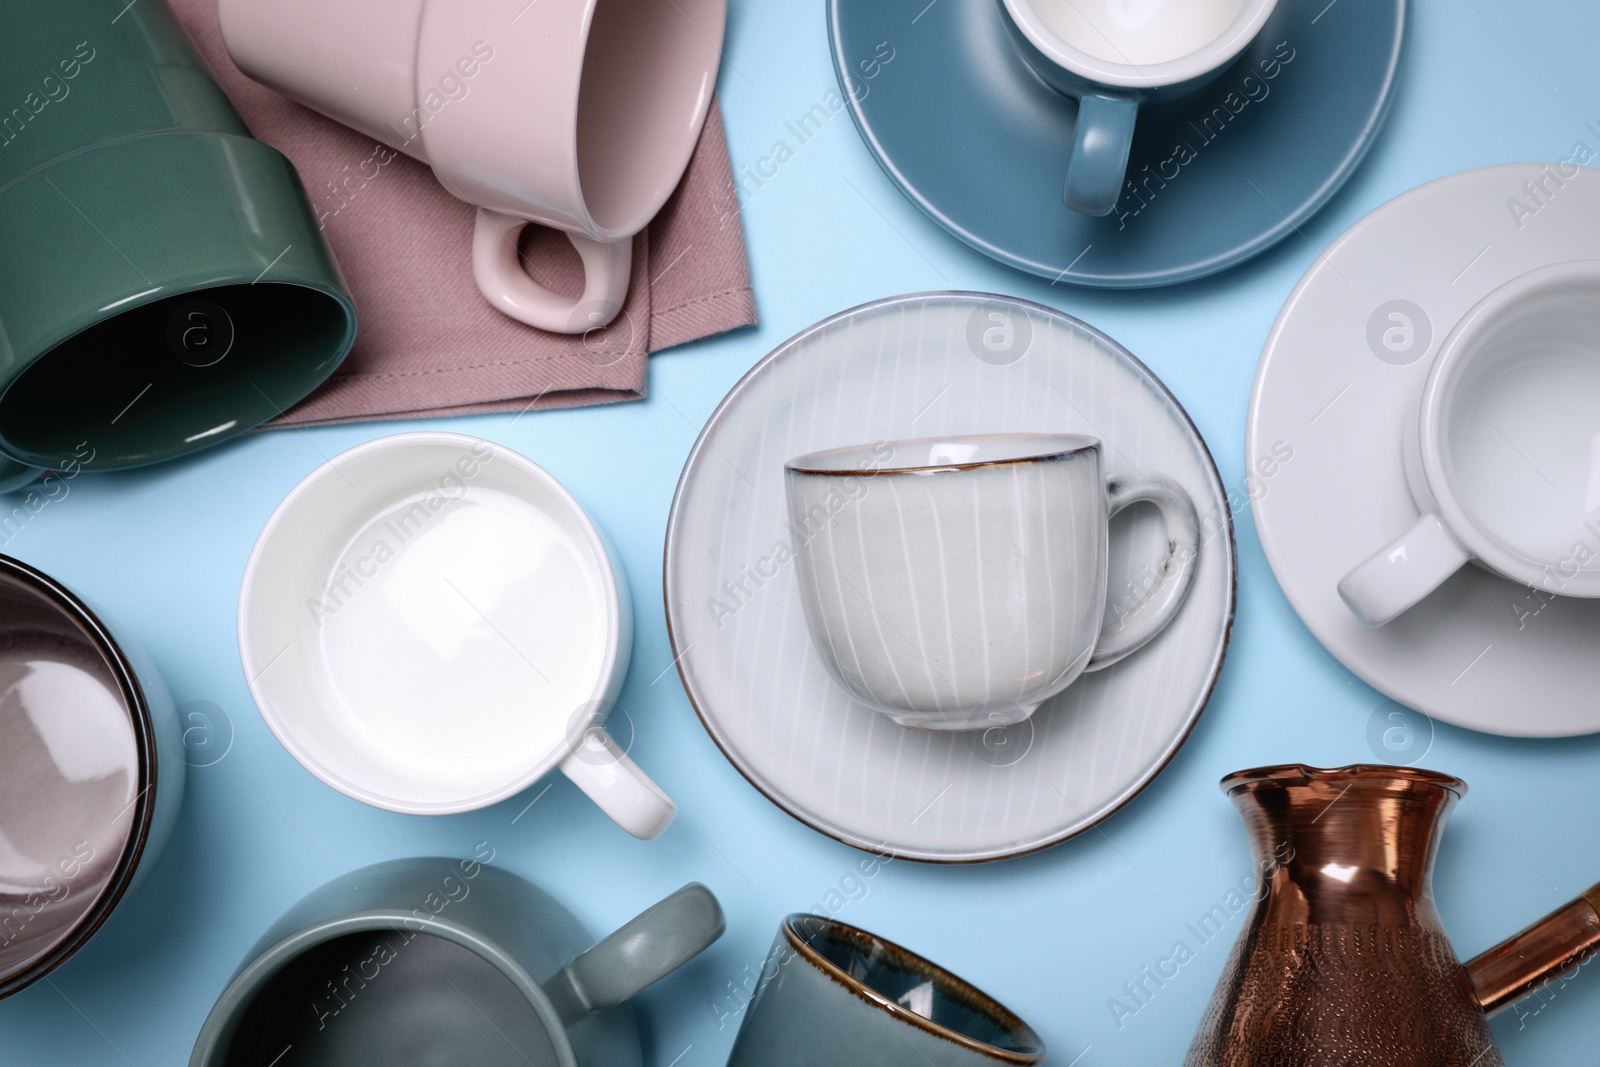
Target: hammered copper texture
{"type": "Point", "coordinates": [1332, 995]}
{"type": "Point", "coordinates": [1343, 961]}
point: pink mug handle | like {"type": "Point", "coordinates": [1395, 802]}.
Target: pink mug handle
{"type": "Point", "coordinates": [504, 283]}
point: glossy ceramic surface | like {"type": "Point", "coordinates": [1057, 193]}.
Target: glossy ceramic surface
{"type": "Point", "coordinates": [1115, 59]}
{"type": "Point", "coordinates": [165, 286]}
{"type": "Point", "coordinates": [430, 623]}
{"type": "Point", "coordinates": [1501, 458]}
{"type": "Point", "coordinates": [91, 773]}
{"type": "Point", "coordinates": [577, 114]}
{"type": "Point", "coordinates": [830, 993]}
{"type": "Point", "coordinates": [1338, 377]}
{"type": "Point", "coordinates": [958, 583]}
{"type": "Point", "coordinates": [435, 960]}
{"type": "Point", "coordinates": [967, 131]}
{"type": "Point", "coordinates": [928, 365]}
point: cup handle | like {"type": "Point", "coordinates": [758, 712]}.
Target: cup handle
{"type": "Point", "coordinates": [600, 768]}
{"type": "Point", "coordinates": [1402, 572]}
{"type": "Point", "coordinates": [665, 937]}
{"type": "Point", "coordinates": [1160, 605]}
{"type": "Point", "coordinates": [498, 268]}
{"type": "Point", "coordinates": [1100, 150]}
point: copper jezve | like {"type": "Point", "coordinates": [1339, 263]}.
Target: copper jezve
{"type": "Point", "coordinates": [1343, 960]}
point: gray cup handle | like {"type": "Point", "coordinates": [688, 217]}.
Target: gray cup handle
{"type": "Point", "coordinates": [652, 946]}
{"type": "Point", "coordinates": [1161, 603]}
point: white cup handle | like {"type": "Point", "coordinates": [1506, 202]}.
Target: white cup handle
{"type": "Point", "coordinates": [1160, 605]}
{"type": "Point", "coordinates": [1402, 572]}
{"type": "Point", "coordinates": [600, 768]}
{"type": "Point", "coordinates": [504, 283]}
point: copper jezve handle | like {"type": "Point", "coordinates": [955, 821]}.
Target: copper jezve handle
{"type": "Point", "coordinates": [1523, 962]}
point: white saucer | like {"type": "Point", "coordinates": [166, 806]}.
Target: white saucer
{"type": "Point", "coordinates": [1480, 652]}
{"type": "Point", "coordinates": [919, 366]}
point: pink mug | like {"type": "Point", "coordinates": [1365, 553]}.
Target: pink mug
{"type": "Point", "coordinates": [575, 114]}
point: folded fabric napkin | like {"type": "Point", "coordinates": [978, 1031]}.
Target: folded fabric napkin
{"type": "Point", "coordinates": [429, 342]}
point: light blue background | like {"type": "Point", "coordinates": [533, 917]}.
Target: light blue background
{"type": "Point", "coordinates": [1053, 935]}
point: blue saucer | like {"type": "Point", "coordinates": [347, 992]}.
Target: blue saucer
{"type": "Point", "coordinates": [978, 142]}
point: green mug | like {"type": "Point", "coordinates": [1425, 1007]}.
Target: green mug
{"type": "Point", "coordinates": [439, 961]}
{"type": "Point", "coordinates": [164, 284]}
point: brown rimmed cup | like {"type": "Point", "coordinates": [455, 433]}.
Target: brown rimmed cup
{"type": "Point", "coordinates": [958, 583]}
{"type": "Point", "coordinates": [832, 993]}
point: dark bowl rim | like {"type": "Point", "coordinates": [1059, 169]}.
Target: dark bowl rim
{"type": "Point", "coordinates": [144, 801]}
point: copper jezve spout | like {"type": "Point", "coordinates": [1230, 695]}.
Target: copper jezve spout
{"type": "Point", "coordinates": [1343, 958]}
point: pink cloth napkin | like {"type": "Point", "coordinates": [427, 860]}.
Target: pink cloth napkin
{"type": "Point", "coordinates": [429, 344]}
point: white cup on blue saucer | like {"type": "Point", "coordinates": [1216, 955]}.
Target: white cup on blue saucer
{"type": "Point", "coordinates": [1114, 56]}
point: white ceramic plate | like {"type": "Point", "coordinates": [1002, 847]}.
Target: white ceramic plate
{"type": "Point", "coordinates": [1480, 651]}
{"type": "Point", "coordinates": [919, 366]}
{"type": "Point", "coordinates": [429, 623]}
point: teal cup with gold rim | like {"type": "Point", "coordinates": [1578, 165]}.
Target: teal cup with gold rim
{"type": "Point", "coordinates": [164, 285]}
{"type": "Point", "coordinates": [831, 993]}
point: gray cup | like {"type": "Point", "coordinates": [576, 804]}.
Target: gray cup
{"type": "Point", "coordinates": [447, 961]}
{"type": "Point", "coordinates": [832, 994]}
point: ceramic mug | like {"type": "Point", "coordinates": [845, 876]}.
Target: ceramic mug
{"type": "Point", "coordinates": [91, 772]}
{"type": "Point", "coordinates": [1501, 450]}
{"type": "Point", "coordinates": [164, 284]}
{"type": "Point", "coordinates": [576, 114]}
{"type": "Point", "coordinates": [958, 583]}
{"type": "Point", "coordinates": [830, 993]}
{"type": "Point", "coordinates": [430, 623]}
{"type": "Point", "coordinates": [447, 961]}
{"type": "Point", "coordinates": [1116, 55]}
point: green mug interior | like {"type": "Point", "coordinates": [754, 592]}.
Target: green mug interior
{"type": "Point", "coordinates": [164, 281]}
{"type": "Point", "coordinates": [173, 375]}
{"type": "Point", "coordinates": [388, 996]}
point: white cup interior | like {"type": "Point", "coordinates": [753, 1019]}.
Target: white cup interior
{"type": "Point", "coordinates": [1145, 33]}
{"type": "Point", "coordinates": [1519, 418]}
{"type": "Point", "coordinates": [424, 629]}
{"type": "Point", "coordinates": [649, 68]}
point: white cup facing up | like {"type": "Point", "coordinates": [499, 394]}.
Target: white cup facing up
{"type": "Point", "coordinates": [430, 623]}
{"type": "Point", "coordinates": [1502, 453]}
{"type": "Point", "coordinates": [958, 583]}
{"type": "Point", "coordinates": [576, 114]}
